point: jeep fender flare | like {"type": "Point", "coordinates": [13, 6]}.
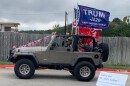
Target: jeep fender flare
{"type": "Point", "coordinates": [79, 59]}
{"type": "Point", "coordinates": [29, 56]}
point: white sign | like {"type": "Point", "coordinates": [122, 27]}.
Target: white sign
{"type": "Point", "coordinates": [111, 79]}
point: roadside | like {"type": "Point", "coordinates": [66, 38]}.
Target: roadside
{"type": "Point", "coordinates": [6, 64]}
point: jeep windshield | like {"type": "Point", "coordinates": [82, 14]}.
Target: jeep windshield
{"type": "Point", "coordinates": [47, 39]}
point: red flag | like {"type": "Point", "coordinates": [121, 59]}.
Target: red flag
{"type": "Point", "coordinates": [29, 44]}
{"type": "Point", "coordinates": [74, 25]}
{"type": "Point", "coordinates": [33, 44]}
{"type": "Point", "coordinates": [89, 32]}
{"type": "Point", "coordinates": [45, 38]}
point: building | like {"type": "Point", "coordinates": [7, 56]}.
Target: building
{"type": "Point", "coordinates": [9, 26]}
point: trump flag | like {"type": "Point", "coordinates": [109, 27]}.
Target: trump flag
{"type": "Point", "coordinates": [92, 18]}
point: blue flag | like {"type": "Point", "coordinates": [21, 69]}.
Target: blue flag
{"type": "Point", "coordinates": [93, 18]}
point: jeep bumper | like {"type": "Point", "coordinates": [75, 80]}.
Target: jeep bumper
{"type": "Point", "coordinates": [10, 58]}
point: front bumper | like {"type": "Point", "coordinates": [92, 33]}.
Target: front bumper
{"type": "Point", "coordinates": [10, 57]}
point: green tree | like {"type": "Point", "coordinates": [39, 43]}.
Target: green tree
{"type": "Point", "coordinates": [126, 19]}
{"type": "Point", "coordinates": [117, 27]}
{"type": "Point", "coordinates": [117, 20]}
{"type": "Point", "coordinates": [57, 26]}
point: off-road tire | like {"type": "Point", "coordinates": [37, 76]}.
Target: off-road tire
{"type": "Point", "coordinates": [105, 51]}
{"type": "Point", "coordinates": [78, 68]}
{"type": "Point", "coordinates": [18, 68]}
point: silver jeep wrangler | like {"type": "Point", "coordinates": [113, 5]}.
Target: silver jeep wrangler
{"type": "Point", "coordinates": [61, 52]}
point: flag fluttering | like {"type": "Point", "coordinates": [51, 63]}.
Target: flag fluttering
{"type": "Point", "coordinates": [92, 18]}
{"type": "Point", "coordinates": [88, 21]}
{"type": "Point", "coordinates": [89, 32]}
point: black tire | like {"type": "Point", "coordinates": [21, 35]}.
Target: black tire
{"type": "Point", "coordinates": [72, 72]}
{"type": "Point", "coordinates": [19, 69]}
{"type": "Point", "coordinates": [90, 67]}
{"type": "Point", "coordinates": [105, 51]}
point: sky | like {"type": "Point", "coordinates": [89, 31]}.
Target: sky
{"type": "Point", "coordinates": [44, 14]}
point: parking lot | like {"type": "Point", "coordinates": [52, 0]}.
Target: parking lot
{"type": "Point", "coordinates": [46, 78]}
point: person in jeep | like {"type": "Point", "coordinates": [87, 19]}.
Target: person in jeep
{"type": "Point", "coordinates": [68, 42]}
{"type": "Point", "coordinates": [83, 46]}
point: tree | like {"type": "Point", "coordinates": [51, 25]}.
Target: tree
{"type": "Point", "coordinates": [126, 19]}
{"type": "Point", "coordinates": [57, 26]}
{"type": "Point", "coordinates": [116, 28]}
{"type": "Point", "coordinates": [117, 20]}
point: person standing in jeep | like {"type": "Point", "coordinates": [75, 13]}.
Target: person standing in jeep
{"type": "Point", "coordinates": [83, 46]}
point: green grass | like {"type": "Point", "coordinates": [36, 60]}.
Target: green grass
{"type": "Point", "coordinates": [105, 66]}
{"type": "Point", "coordinates": [117, 66]}
{"type": "Point", "coordinates": [5, 62]}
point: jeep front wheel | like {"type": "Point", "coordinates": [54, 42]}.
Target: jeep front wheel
{"type": "Point", "coordinates": [84, 71]}
{"type": "Point", "coordinates": [24, 69]}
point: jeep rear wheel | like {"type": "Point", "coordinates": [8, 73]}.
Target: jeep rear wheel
{"type": "Point", "coordinates": [24, 69]}
{"type": "Point", "coordinates": [84, 71]}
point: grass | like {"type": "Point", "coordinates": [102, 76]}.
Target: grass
{"type": "Point", "coordinates": [105, 66]}
{"type": "Point", "coordinates": [117, 66]}
{"type": "Point", "coordinates": [5, 62]}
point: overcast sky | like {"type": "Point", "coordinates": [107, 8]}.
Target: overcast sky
{"type": "Point", "coordinates": [44, 14]}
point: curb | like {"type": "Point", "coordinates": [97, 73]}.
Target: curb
{"type": "Point", "coordinates": [11, 66]}
{"type": "Point", "coordinates": [114, 70]}
{"type": "Point", "coordinates": [6, 66]}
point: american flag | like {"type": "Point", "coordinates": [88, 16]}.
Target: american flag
{"type": "Point", "coordinates": [76, 16]}
{"type": "Point", "coordinates": [74, 25]}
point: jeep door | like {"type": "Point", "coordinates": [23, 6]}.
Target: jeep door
{"type": "Point", "coordinates": [62, 52]}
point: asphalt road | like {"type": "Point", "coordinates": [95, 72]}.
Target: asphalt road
{"type": "Point", "coordinates": [45, 78]}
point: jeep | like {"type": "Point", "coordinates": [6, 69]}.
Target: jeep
{"type": "Point", "coordinates": [60, 55]}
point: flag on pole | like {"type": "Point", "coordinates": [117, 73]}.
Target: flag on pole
{"type": "Point", "coordinates": [89, 32]}
{"type": "Point", "coordinates": [74, 25]}
{"type": "Point", "coordinates": [92, 18]}
{"type": "Point", "coordinates": [75, 22]}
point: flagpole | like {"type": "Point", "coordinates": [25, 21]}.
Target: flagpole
{"type": "Point", "coordinates": [73, 23]}
{"type": "Point", "coordinates": [76, 23]}
{"type": "Point", "coordinates": [65, 22]}
{"type": "Point", "coordinates": [76, 30]}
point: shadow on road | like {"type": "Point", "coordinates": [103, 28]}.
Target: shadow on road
{"type": "Point", "coordinates": [58, 77]}
{"type": "Point", "coordinates": [53, 75]}
{"type": "Point", "coordinates": [42, 76]}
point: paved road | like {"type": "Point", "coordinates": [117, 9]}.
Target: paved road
{"type": "Point", "coordinates": [45, 78]}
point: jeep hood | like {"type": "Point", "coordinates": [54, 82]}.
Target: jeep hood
{"type": "Point", "coordinates": [31, 49]}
